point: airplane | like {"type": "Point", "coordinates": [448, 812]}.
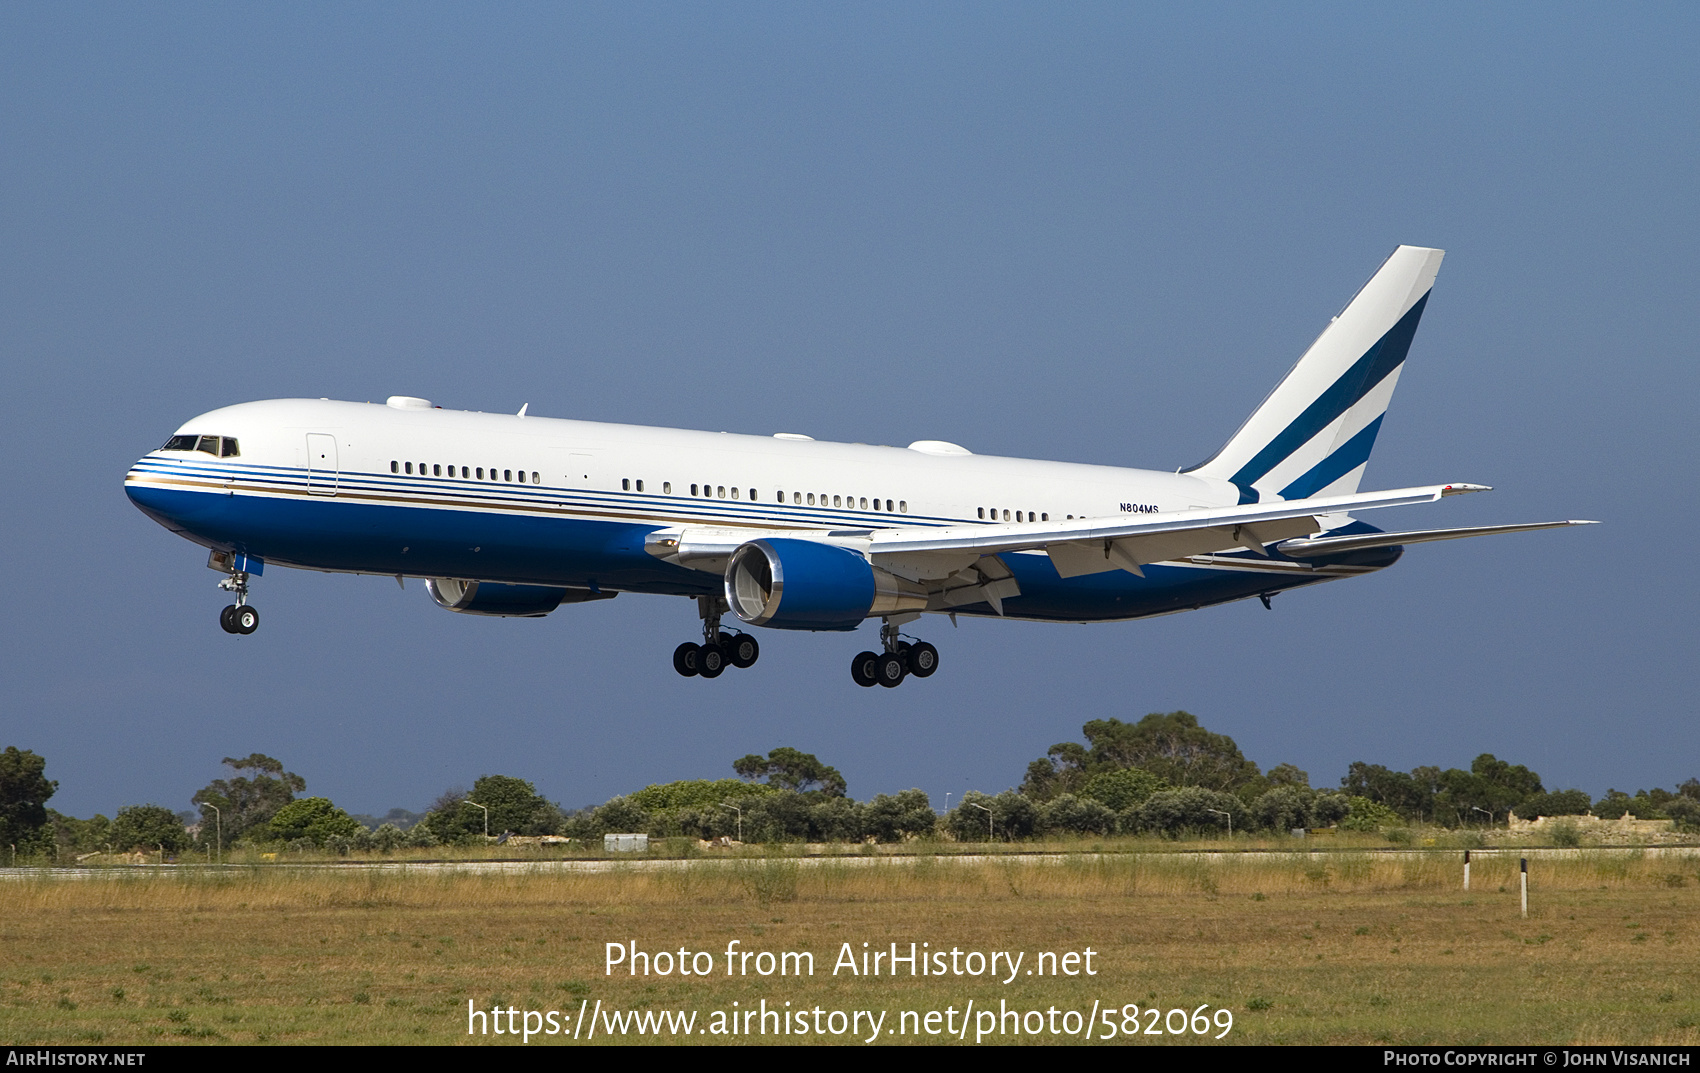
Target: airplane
{"type": "Point", "coordinates": [516, 515]}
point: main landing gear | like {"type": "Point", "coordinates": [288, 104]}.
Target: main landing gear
{"type": "Point", "coordinates": [899, 660]}
{"type": "Point", "coordinates": [238, 617]}
{"type": "Point", "coordinates": [718, 650]}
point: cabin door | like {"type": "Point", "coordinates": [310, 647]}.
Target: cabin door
{"type": "Point", "coordinates": [321, 464]}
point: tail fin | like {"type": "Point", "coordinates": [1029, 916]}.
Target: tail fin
{"type": "Point", "coordinates": [1313, 434]}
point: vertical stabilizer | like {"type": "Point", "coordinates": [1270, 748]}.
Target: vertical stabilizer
{"type": "Point", "coordinates": [1312, 435]}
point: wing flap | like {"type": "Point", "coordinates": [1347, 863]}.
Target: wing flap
{"type": "Point", "coordinates": [1327, 545]}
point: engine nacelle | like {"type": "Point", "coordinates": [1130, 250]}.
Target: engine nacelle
{"type": "Point", "coordinates": [505, 601]}
{"type": "Point", "coordinates": [805, 585]}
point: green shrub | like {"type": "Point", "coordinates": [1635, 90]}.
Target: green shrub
{"type": "Point", "coordinates": [1123, 788]}
{"type": "Point", "coordinates": [1366, 815]}
{"type": "Point", "coordinates": [314, 819]}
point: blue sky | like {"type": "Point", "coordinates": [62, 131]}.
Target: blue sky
{"type": "Point", "coordinates": [1099, 233]}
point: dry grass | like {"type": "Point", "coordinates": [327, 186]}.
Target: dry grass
{"type": "Point", "coordinates": [1335, 948]}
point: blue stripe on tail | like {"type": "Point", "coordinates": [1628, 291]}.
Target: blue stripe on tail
{"type": "Point", "coordinates": [1381, 359]}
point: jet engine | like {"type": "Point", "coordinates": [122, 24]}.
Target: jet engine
{"type": "Point", "coordinates": [805, 585]}
{"type": "Point", "coordinates": [506, 601]}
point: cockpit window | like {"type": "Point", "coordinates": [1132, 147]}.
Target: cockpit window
{"type": "Point", "coordinates": [218, 446]}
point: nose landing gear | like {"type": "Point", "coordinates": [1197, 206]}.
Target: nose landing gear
{"type": "Point", "coordinates": [238, 617]}
{"type": "Point", "coordinates": [899, 660]}
{"type": "Point", "coordinates": [718, 650]}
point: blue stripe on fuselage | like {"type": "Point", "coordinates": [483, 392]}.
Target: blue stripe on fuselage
{"type": "Point", "coordinates": [329, 534]}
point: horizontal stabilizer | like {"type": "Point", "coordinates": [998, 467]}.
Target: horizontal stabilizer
{"type": "Point", "coordinates": [1314, 547]}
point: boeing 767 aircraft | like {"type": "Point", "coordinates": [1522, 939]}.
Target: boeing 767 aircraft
{"type": "Point", "coordinates": [517, 515]}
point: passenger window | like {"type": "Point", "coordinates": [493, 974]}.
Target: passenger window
{"type": "Point", "coordinates": [888, 506]}
{"type": "Point", "coordinates": [734, 491]}
{"type": "Point", "coordinates": [1006, 515]}
{"type": "Point", "coordinates": [753, 496]}
{"type": "Point", "coordinates": [781, 497]}
{"type": "Point", "coordinates": [640, 486]}
{"type": "Point", "coordinates": [982, 511]}
{"type": "Point", "coordinates": [693, 489]}
{"type": "Point", "coordinates": [720, 491]}
{"type": "Point", "coordinates": [811, 499]}
{"type": "Point", "coordinates": [395, 467]}
{"type": "Point", "coordinates": [480, 472]}
{"type": "Point", "coordinates": [1044, 517]}
{"type": "Point", "coordinates": [436, 470]}
{"type": "Point", "coordinates": [625, 485]}
{"type": "Point", "coordinates": [864, 502]}
{"type": "Point", "coordinates": [797, 499]}
{"type": "Point", "coordinates": [666, 488]}
{"type": "Point", "coordinates": [837, 502]}
{"type": "Point", "coordinates": [903, 506]}
{"type": "Point", "coordinates": [410, 467]}
{"type": "Point", "coordinates": [507, 475]}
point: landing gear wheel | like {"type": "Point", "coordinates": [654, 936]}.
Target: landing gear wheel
{"type": "Point", "coordinates": [246, 619]}
{"type": "Point", "coordinates": [711, 661]}
{"type": "Point", "coordinates": [741, 649]}
{"type": "Point", "coordinates": [685, 659]}
{"type": "Point", "coordinates": [865, 668]}
{"type": "Point", "coordinates": [227, 619]}
{"type": "Point", "coordinates": [891, 670]}
{"type": "Point", "coordinates": [923, 659]}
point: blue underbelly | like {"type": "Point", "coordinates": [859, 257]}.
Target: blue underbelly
{"type": "Point", "coordinates": [328, 533]}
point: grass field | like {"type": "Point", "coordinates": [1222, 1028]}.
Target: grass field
{"type": "Point", "coordinates": [1335, 948]}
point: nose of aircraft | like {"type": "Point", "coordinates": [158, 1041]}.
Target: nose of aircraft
{"type": "Point", "coordinates": [149, 489]}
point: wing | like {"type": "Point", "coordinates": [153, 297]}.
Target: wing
{"type": "Point", "coordinates": [1093, 545]}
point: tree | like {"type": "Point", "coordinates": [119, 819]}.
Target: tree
{"type": "Point", "coordinates": [1558, 803]}
{"type": "Point", "coordinates": [1189, 808]}
{"type": "Point", "coordinates": [1063, 770]}
{"type": "Point", "coordinates": [1284, 808]}
{"type": "Point", "coordinates": [1172, 746]}
{"type": "Point", "coordinates": [1393, 790]}
{"type": "Point", "coordinates": [696, 793]}
{"type": "Point", "coordinates": [897, 817]}
{"type": "Point", "coordinates": [1123, 788]}
{"type": "Point", "coordinates": [1013, 816]}
{"type": "Point", "coordinates": [147, 827]}
{"type": "Point", "coordinates": [244, 803]}
{"type": "Point", "coordinates": [1366, 815]}
{"type": "Point", "coordinates": [514, 804]}
{"type": "Point", "coordinates": [1069, 814]}
{"type": "Point", "coordinates": [789, 769]}
{"type": "Point", "coordinates": [80, 836]}
{"type": "Point", "coordinates": [24, 790]}
{"type": "Point", "coordinates": [313, 818]}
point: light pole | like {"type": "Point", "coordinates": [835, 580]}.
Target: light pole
{"type": "Point", "coordinates": [218, 826]}
{"type": "Point", "coordinates": [989, 815]}
{"type": "Point", "coordinates": [947, 800]}
{"type": "Point", "coordinates": [740, 813]}
{"type": "Point", "coordinates": [475, 804]}
{"type": "Point", "coordinates": [1484, 812]}
{"type": "Point", "coordinates": [1230, 816]}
